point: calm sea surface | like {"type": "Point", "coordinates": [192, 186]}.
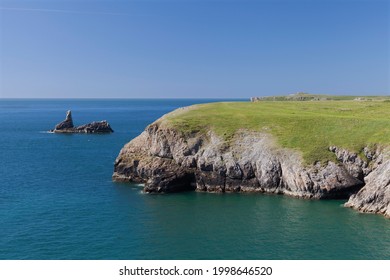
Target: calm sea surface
{"type": "Point", "coordinates": [57, 200]}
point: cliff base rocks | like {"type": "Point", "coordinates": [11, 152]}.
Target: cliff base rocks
{"type": "Point", "coordinates": [374, 197]}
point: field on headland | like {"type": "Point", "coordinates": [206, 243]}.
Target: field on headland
{"type": "Point", "coordinates": [309, 127]}
{"type": "Point", "coordinates": [301, 96]}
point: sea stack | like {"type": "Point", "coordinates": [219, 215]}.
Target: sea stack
{"type": "Point", "coordinates": [67, 126]}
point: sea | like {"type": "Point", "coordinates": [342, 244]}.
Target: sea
{"type": "Point", "coordinates": [58, 201]}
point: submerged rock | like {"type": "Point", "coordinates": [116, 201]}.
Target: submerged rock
{"type": "Point", "coordinates": [67, 126]}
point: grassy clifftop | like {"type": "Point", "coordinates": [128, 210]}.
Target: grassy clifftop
{"type": "Point", "coordinates": [301, 96]}
{"type": "Point", "coordinates": [309, 127]}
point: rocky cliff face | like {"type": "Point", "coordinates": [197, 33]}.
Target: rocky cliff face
{"type": "Point", "coordinates": [374, 197]}
{"type": "Point", "coordinates": [167, 161]}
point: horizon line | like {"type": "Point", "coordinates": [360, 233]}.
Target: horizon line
{"type": "Point", "coordinates": [110, 98]}
{"type": "Point", "coordinates": [246, 97]}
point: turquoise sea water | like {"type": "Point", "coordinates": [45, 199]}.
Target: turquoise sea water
{"type": "Point", "coordinates": [57, 200]}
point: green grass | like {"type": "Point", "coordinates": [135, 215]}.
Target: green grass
{"type": "Point", "coordinates": [321, 97]}
{"type": "Point", "coordinates": [309, 127]}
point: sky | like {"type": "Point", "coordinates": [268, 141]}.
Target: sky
{"type": "Point", "coordinates": [193, 49]}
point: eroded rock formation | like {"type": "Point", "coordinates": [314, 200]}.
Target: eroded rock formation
{"type": "Point", "coordinates": [374, 197]}
{"type": "Point", "coordinates": [67, 126]}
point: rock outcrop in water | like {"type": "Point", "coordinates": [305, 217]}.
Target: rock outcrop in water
{"type": "Point", "coordinates": [67, 126]}
{"type": "Point", "coordinates": [167, 161]}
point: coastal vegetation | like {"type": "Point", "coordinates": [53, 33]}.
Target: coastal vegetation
{"type": "Point", "coordinates": [309, 127]}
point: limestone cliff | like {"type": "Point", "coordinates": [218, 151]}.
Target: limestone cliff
{"type": "Point", "coordinates": [374, 197]}
{"type": "Point", "coordinates": [165, 160]}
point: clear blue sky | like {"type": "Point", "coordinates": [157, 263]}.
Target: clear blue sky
{"type": "Point", "coordinates": [216, 49]}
